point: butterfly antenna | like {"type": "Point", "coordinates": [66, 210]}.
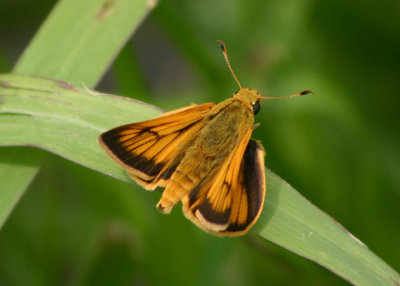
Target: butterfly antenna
{"type": "Point", "coordinates": [303, 92]}
{"type": "Point", "coordinates": [223, 48]}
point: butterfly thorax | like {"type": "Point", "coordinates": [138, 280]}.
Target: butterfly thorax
{"type": "Point", "coordinates": [224, 127]}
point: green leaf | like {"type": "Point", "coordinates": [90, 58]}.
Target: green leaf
{"type": "Point", "coordinates": [77, 42]}
{"type": "Point", "coordinates": [67, 120]}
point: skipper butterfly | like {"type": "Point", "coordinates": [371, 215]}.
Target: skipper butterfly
{"type": "Point", "coordinates": [203, 156]}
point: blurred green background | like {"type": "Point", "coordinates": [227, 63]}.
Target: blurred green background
{"type": "Point", "coordinates": [340, 148]}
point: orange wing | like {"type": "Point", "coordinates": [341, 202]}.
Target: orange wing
{"type": "Point", "coordinates": [230, 203]}
{"type": "Point", "coordinates": [151, 150]}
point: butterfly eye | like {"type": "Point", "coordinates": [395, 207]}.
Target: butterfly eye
{"type": "Point", "coordinates": [256, 107]}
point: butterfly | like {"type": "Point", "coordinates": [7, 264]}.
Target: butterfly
{"type": "Point", "coordinates": [203, 156]}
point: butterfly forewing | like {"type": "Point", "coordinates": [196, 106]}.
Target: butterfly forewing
{"type": "Point", "coordinates": [151, 150]}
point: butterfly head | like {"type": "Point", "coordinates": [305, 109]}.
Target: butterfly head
{"type": "Point", "coordinates": [249, 96]}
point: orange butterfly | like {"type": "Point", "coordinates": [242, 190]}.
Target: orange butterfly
{"type": "Point", "coordinates": [203, 156]}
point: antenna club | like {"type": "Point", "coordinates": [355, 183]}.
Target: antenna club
{"type": "Point", "coordinates": [222, 45]}
{"type": "Point", "coordinates": [307, 91]}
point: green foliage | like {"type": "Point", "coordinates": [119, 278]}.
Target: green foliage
{"type": "Point", "coordinates": [338, 148]}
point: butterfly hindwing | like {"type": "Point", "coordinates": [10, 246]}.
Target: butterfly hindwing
{"type": "Point", "coordinates": [151, 150]}
{"type": "Point", "coordinates": [252, 182]}
{"type": "Point", "coordinates": [230, 202]}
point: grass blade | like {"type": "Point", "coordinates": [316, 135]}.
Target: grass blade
{"type": "Point", "coordinates": [67, 120]}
